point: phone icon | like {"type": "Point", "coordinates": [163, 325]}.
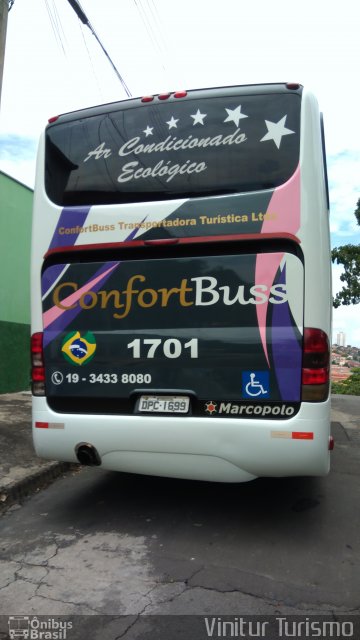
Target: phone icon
{"type": "Point", "coordinates": [57, 377]}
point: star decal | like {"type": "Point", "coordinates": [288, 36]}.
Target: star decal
{"type": "Point", "coordinates": [172, 123]}
{"type": "Point", "coordinates": [148, 131]}
{"type": "Point", "coordinates": [235, 115]}
{"type": "Point", "coordinates": [198, 117]}
{"type": "Point", "coordinates": [276, 130]}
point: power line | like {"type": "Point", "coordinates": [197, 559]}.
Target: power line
{"type": "Point", "coordinates": [153, 10]}
{"type": "Point", "coordinates": [56, 24]}
{"type": "Point", "coordinates": [90, 58]}
{"type": "Point", "coordinates": [153, 28]}
{"type": "Point", "coordinates": [84, 19]}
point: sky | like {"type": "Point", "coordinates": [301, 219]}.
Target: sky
{"type": "Point", "coordinates": [53, 64]}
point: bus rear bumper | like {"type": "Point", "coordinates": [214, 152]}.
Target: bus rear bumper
{"type": "Point", "coordinates": [214, 449]}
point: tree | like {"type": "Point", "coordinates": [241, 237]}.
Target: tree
{"type": "Point", "coordinates": [350, 386]}
{"type": "Point", "coordinates": [357, 211]}
{"type": "Point", "coordinates": [349, 256]}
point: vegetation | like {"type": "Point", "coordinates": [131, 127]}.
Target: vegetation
{"type": "Point", "coordinates": [349, 256]}
{"type": "Point", "coordinates": [350, 386]}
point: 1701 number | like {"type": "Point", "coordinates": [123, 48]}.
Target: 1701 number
{"type": "Point", "coordinates": [170, 348]}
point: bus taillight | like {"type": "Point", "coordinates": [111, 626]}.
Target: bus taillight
{"type": "Point", "coordinates": [37, 365]}
{"type": "Point", "coordinates": [315, 371]}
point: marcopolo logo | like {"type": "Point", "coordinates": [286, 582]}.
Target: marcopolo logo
{"type": "Point", "coordinates": [79, 349]}
{"type": "Point", "coordinates": [280, 411]}
{"type": "Point", "coordinates": [201, 291]}
{"type": "Point", "coordinates": [211, 407]}
{"type": "Point", "coordinates": [257, 410]}
{"type": "Point", "coordinates": [31, 627]}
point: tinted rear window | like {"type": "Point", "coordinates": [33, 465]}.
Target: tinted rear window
{"type": "Point", "coordinates": [202, 145]}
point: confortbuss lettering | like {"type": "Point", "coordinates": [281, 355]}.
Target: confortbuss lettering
{"type": "Point", "coordinates": [201, 291]}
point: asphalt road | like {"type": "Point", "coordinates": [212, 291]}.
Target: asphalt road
{"type": "Point", "coordinates": [96, 544]}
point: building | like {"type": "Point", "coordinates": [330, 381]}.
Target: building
{"type": "Point", "coordinates": [15, 232]}
{"type": "Point", "coordinates": [341, 339]}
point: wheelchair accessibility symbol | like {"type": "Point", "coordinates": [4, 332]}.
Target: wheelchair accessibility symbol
{"type": "Point", "coordinates": [255, 384]}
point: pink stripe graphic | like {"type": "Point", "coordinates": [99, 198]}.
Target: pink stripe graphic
{"type": "Point", "coordinates": [285, 206]}
{"type": "Point", "coordinates": [54, 313]}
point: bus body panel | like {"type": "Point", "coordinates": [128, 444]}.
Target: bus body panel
{"type": "Point", "coordinates": [314, 232]}
{"type": "Point", "coordinates": [230, 439]}
{"type": "Point", "coordinates": [211, 324]}
{"type": "Point", "coordinates": [221, 450]}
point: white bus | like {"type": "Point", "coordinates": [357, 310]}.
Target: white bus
{"type": "Point", "coordinates": [181, 286]}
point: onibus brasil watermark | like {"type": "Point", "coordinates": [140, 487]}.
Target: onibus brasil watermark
{"type": "Point", "coordinates": [31, 627]}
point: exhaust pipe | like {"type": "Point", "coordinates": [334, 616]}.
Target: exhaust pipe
{"type": "Point", "coordinates": [87, 455]}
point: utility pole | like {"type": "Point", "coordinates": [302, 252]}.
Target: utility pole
{"type": "Point", "coordinates": [4, 9]}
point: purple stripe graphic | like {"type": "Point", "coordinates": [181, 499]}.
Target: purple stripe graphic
{"type": "Point", "coordinates": [64, 320]}
{"type": "Point", "coordinates": [60, 324]}
{"type": "Point", "coordinates": [76, 216]}
{"type": "Point", "coordinates": [287, 355]}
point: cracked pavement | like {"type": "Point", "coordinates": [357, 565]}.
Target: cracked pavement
{"type": "Point", "coordinates": [37, 579]}
{"type": "Point", "coordinates": [98, 546]}
{"type": "Point", "coordinates": [114, 544]}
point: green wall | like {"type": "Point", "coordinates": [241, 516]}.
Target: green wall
{"type": "Point", "coordinates": [15, 233]}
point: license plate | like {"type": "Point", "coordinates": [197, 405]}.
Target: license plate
{"type": "Point", "coordinates": [164, 404]}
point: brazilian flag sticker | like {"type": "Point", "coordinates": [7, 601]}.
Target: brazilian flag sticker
{"type": "Point", "coordinates": [79, 349]}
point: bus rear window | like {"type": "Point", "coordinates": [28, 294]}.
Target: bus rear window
{"type": "Point", "coordinates": [201, 146]}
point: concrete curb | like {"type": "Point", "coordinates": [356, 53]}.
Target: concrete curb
{"type": "Point", "coordinates": [21, 488]}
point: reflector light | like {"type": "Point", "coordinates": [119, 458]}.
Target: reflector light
{"type": "Point", "coordinates": [293, 86]}
{"type": "Point", "coordinates": [164, 96]}
{"type": "Point", "coordinates": [331, 443]}
{"type": "Point", "coordinates": [147, 99]}
{"type": "Point", "coordinates": [180, 94]}
{"type": "Point", "coordinates": [302, 435]}
{"type": "Point", "coordinates": [42, 425]}
{"type": "Point", "coordinates": [53, 119]}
